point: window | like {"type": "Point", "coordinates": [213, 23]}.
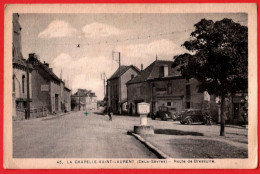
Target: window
{"type": "Point", "coordinates": [23, 78]}
{"type": "Point", "coordinates": [187, 90]}
{"type": "Point", "coordinates": [132, 76]}
{"type": "Point", "coordinates": [187, 105]}
{"type": "Point", "coordinates": [161, 71]}
{"type": "Point", "coordinates": [13, 83]}
{"type": "Point", "coordinates": [165, 71]}
{"type": "Point", "coordinates": [169, 103]}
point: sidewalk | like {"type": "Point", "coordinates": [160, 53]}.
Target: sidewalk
{"type": "Point", "coordinates": [52, 116]}
{"type": "Point", "coordinates": [48, 117]}
{"type": "Point", "coordinates": [197, 141]}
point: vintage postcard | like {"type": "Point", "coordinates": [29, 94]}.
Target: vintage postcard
{"type": "Point", "coordinates": [135, 86]}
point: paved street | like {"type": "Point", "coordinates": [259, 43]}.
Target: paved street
{"type": "Point", "coordinates": [93, 136]}
{"type": "Point", "coordinates": [76, 136]}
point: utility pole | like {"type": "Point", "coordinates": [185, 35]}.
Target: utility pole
{"type": "Point", "coordinates": [119, 85]}
{"type": "Point", "coordinates": [119, 82]}
{"type": "Point", "coordinates": [28, 90]}
{"type": "Point", "coordinates": [79, 100]}
{"type": "Point", "coordinates": [103, 77]}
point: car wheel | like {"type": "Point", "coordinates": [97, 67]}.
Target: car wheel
{"type": "Point", "coordinates": [153, 117]}
{"type": "Point", "coordinates": [182, 122]}
{"type": "Point", "coordinates": [164, 118]}
{"type": "Point", "coordinates": [189, 121]}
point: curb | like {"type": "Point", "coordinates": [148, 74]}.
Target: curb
{"type": "Point", "coordinates": [152, 148]}
{"type": "Point", "coordinates": [50, 118]}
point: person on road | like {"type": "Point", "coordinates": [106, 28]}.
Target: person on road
{"type": "Point", "coordinates": [109, 113]}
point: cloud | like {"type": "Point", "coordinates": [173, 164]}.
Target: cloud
{"type": "Point", "coordinates": [98, 30]}
{"type": "Point", "coordinates": [136, 54]}
{"type": "Point", "coordinates": [84, 72]}
{"type": "Point", "coordinates": [58, 28]}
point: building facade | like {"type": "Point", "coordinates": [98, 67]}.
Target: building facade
{"type": "Point", "coordinates": [84, 100]}
{"type": "Point", "coordinates": [21, 77]}
{"type": "Point", "coordinates": [117, 93]}
{"type": "Point", "coordinates": [159, 84]}
{"type": "Point", "coordinates": [48, 90]}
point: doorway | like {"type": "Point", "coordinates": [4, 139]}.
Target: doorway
{"type": "Point", "coordinates": [56, 102]}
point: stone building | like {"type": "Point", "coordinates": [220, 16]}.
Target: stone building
{"type": "Point", "coordinates": [19, 77]}
{"type": "Point", "coordinates": [19, 86]}
{"type": "Point", "coordinates": [67, 98]}
{"type": "Point", "coordinates": [84, 100]}
{"type": "Point", "coordinates": [48, 90]}
{"type": "Point", "coordinates": [159, 84]}
{"type": "Point", "coordinates": [118, 104]}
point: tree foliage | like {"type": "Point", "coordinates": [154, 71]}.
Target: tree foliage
{"type": "Point", "coordinates": [218, 56]}
{"type": "Point", "coordinates": [218, 59]}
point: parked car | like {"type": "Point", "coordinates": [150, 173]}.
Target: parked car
{"type": "Point", "coordinates": [195, 116]}
{"type": "Point", "coordinates": [164, 114]}
{"type": "Point", "coordinates": [179, 115]}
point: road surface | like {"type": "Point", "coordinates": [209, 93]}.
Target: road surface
{"type": "Point", "coordinates": [77, 136]}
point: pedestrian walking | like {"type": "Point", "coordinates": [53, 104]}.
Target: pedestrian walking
{"type": "Point", "coordinates": [109, 113]}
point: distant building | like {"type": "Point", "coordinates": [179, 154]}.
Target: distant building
{"type": "Point", "coordinates": [159, 84]}
{"type": "Point", "coordinates": [84, 100]}
{"type": "Point", "coordinates": [126, 73]}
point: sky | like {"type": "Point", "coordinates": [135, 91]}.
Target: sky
{"type": "Point", "coordinates": [79, 46]}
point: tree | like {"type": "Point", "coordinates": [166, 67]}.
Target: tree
{"type": "Point", "coordinates": [217, 58]}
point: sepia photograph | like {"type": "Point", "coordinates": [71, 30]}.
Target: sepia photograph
{"type": "Point", "coordinates": [126, 86]}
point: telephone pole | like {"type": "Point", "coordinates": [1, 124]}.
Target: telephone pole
{"type": "Point", "coordinates": [103, 77]}
{"type": "Point", "coordinates": [28, 90]}
{"type": "Point", "coordinates": [79, 100]}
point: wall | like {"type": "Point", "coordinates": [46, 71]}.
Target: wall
{"type": "Point", "coordinates": [124, 79]}
{"type": "Point", "coordinates": [77, 99]}
{"type": "Point", "coordinates": [18, 74]}
{"type": "Point", "coordinates": [55, 89]}
{"type": "Point", "coordinates": [171, 93]}
{"type": "Point", "coordinates": [40, 98]}
{"type": "Point", "coordinates": [138, 92]}
{"type": "Point", "coordinates": [113, 95]}
{"type": "Point", "coordinates": [91, 103]}
{"type": "Point", "coordinates": [67, 99]}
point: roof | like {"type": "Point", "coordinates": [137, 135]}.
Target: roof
{"type": "Point", "coordinates": [66, 88]}
{"type": "Point", "coordinates": [21, 62]}
{"type": "Point", "coordinates": [85, 93]}
{"type": "Point", "coordinates": [36, 62]}
{"type": "Point", "coordinates": [152, 72]}
{"type": "Point", "coordinates": [123, 69]}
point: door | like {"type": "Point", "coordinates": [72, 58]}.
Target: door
{"type": "Point", "coordinates": [56, 102]}
{"type": "Point", "coordinates": [236, 110]}
{"type": "Point", "coordinates": [153, 107]}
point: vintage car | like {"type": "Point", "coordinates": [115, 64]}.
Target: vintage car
{"type": "Point", "coordinates": [164, 113]}
{"type": "Point", "coordinates": [195, 116]}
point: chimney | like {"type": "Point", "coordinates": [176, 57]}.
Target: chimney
{"type": "Point", "coordinates": [32, 55]}
{"type": "Point", "coordinates": [46, 64]}
{"type": "Point", "coordinates": [142, 67]}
